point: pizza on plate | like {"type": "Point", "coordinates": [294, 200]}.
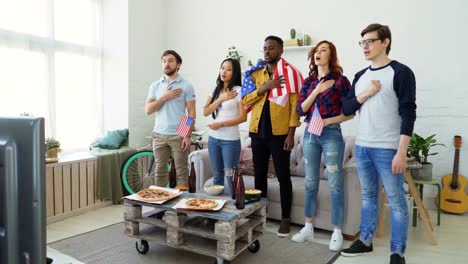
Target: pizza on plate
{"type": "Point", "coordinates": [201, 204]}
{"type": "Point", "coordinates": [154, 195]}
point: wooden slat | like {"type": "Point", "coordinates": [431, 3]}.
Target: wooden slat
{"type": "Point", "coordinates": [75, 186]}
{"type": "Point", "coordinates": [194, 231]}
{"type": "Point", "coordinates": [83, 185]}
{"type": "Point", "coordinates": [71, 186]}
{"type": "Point", "coordinates": [97, 193]}
{"type": "Point", "coordinates": [226, 247]}
{"type": "Point", "coordinates": [58, 190]}
{"type": "Point", "coordinates": [50, 191]}
{"type": "Point", "coordinates": [90, 186]}
{"type": "Point", "coordinates": [67, 188]}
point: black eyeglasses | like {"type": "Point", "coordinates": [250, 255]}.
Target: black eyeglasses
{"type": "Point", "coordinates": [366, 41]}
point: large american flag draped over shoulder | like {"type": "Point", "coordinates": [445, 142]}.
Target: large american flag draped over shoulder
{"type": "Point", "coordinates": [279, 95]}
{"type": "Point", "coordinates": [248, 85]}
{"type": "Point", "coordinates": [316, 122]}
{"type": "Point", "coordinates": [292, 76]}
{"type": "Point", "coordinates": [185, 126]}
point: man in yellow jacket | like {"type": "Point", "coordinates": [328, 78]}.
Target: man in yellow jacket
{"type": "Point", "coordinates": [272, 129]}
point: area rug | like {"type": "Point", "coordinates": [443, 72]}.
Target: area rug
{"type": "Point", "coordinates": [111, 245]}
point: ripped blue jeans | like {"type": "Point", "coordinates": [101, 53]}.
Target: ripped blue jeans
{"type": "Point", "coordinates": [374, 164]}
{"type": "Point", "coordinates": [224, 157]}
{"type": "Point", "coordinates": [331, 144]}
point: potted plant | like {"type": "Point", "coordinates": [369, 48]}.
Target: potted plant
{"type": "Point", "coordinates": [419, 150]}
{"type": "Point", "coordinates": [233, 53]}
{"type": "Point", "coordinates": [52, 146]}
{"type": "Point", "coordinates": [292, 33]}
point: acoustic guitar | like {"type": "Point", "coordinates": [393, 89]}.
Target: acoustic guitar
{"type": "Point", "coordinates": [453, 198]}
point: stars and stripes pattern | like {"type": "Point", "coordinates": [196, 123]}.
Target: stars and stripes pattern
{"type": "Point", "coordinates": [316, 122]}
{"type": "Point", "coordinates": [185, 126]}
{"type": "Point", "coordinates": [279, 95]}
{"type": "Point", "coordinates": [292, 76]}
{"type": "Point", "coordinates": [248, 85]}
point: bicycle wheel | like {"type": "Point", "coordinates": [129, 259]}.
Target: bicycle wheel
{"type": "Point", "coordinates": [138, 172]}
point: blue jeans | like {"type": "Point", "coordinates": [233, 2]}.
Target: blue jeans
{"type": "Point", "coordinates": [375, 163]}
{"type": "Point", "coordinates": [224, 157]}
{"type": "Point", "coordinates": [331, 143]}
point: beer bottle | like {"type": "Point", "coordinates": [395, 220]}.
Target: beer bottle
{"type": "Point", "coordinates": [234, 183]}
{"type": "Point", "coordinates": [240, 193]}
{"type": "Point", "coordinates": [192, 179]}
{"type": "Point", "coordinates": [172, 175]}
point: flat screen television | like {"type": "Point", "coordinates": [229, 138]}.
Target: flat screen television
{"type": "Point", "coordinates": [22, 190]}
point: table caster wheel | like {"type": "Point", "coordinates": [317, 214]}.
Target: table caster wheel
{"type": "Point", "coordinates": [221, 261]}
{"type": "Point", "coordinates": [143, 247]}
{"type": "Point", "coordinates": [254, 247]}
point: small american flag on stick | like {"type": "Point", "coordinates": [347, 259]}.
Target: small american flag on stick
{"type": "Point", "coordinates": [185, 126]}
{"type": "Point", "coordinates": [316, 122]}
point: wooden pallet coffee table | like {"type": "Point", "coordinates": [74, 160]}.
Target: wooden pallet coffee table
{"type": "Point", "coordinates": [223, 234]}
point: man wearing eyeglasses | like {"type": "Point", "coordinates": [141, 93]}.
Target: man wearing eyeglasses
{"type": "Point", "coordinates": [384, 95]}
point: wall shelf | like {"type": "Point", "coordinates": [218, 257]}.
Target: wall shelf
{"type": "Point", "coordinates": [299, 48]}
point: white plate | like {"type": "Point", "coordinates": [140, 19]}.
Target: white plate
{"type": "Point", "coordinates": [182, 205]}
{"type": "Point", "coordinates": [173, 191]}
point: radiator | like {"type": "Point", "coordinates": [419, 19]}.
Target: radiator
{"type": "Point", "coordinates": [71, 186]}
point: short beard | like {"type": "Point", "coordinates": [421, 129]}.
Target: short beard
{"type": "Point", "coordinates": [170, 73]}
{"type": "Point", "coordinates": [274, 60]}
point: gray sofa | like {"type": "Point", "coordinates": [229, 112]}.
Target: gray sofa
{"type": "Point", "coordinates": [352, 187]}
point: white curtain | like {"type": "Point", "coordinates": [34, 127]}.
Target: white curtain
{"type": "Point", "coordinates": [50, 66]}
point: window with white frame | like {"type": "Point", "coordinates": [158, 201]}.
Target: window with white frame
{"type": "Point", "coordinates": [50, 65]}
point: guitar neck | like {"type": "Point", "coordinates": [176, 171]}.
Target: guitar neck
{"type": "Point", "coordinates": [455, 166]}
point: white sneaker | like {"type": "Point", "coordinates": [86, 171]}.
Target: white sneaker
{"type": "Point", "coordinates": [306, 234]}
{"type": "Point", "coordinates": [336, 241]}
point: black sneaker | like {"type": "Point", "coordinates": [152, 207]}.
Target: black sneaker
{"type": "Point", "coordinates": [356, 249]}
{"type": "Point", "coordinates": [397, 259]}
{"type": "Point", "coordinates": [284, 228]}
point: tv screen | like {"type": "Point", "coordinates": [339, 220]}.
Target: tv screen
{"type": "Point", "coordinates": [22, 190]}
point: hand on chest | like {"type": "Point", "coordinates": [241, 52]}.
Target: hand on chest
{"type": "Point", "coordinates": [385, 81]}
{"type": "Point", "coordinates": [229, 104]}
{"type": "Point", "coordinates": [329, 94]}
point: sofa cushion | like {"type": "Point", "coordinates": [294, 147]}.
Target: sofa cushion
{"type": "Point", "coordinates": [246, 166]}
{"type": "Point", "coordinates": [297, 162]}
{"type": "Point", "coordinates": [349, 150]}
{"type": "Point", "coordinates": [297, 157]}
{"type": "Point", "coordinates": [113, 139]}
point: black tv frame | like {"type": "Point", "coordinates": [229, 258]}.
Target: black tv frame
{"type": "Point", "coordinates": [22, 190]}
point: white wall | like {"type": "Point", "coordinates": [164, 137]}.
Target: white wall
{"type": "Point", "coordinates": [134, 35]}
{"type": "Point", "coordinates": [115, 65]}
{"type": "Point", "coordinates": [147, 38]}
{"type": "Point", "coordinates": [427, 36]}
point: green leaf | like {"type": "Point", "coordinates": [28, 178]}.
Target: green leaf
{"type": "Point", "coordinates": [419, 147]}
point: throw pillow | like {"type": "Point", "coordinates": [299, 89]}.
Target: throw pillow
{"type": "Point", "coordinates": [246, 164]}
{"type": "Point", "coordinates": [113, 139]}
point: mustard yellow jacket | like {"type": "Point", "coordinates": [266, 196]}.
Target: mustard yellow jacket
{"type": "Point", "coordinates": [282, 118]}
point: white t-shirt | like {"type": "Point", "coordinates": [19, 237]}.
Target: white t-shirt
{"type": "Point", "coordinates": [229, 110]}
